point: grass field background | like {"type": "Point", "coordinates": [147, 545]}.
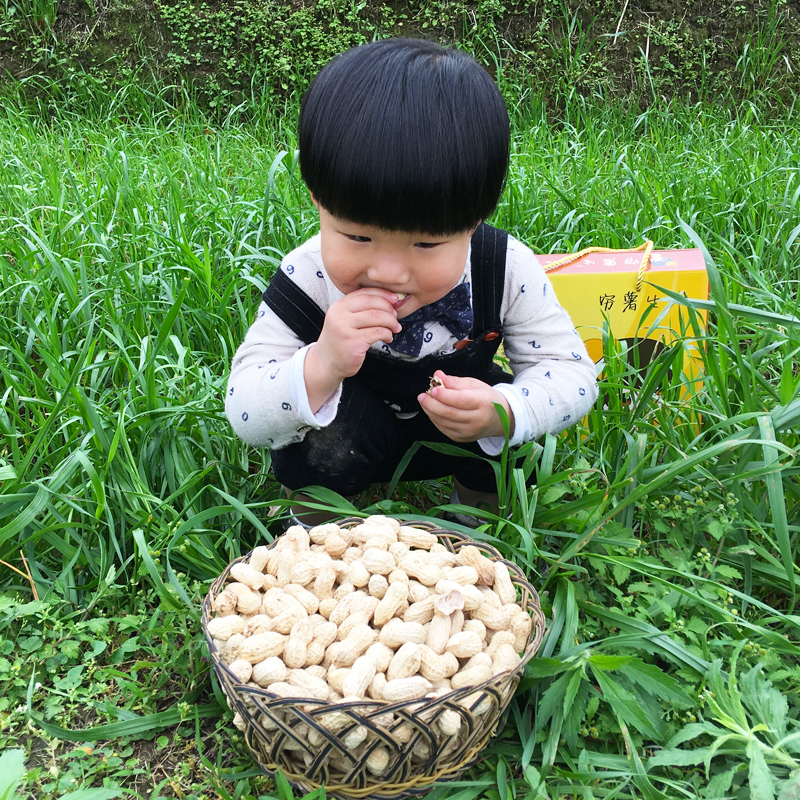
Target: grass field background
{"type": "Point", "coordinates": [662, 534]}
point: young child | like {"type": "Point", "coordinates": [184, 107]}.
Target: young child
{"type": "Point", "coordinates": [404, 147]}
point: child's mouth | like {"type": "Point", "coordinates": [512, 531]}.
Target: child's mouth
{"type": "Point", "coordinates": [401, 298]}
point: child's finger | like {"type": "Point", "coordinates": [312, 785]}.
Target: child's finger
{"type": "Point", "coordinates": [373, 317]}
{"type": "Point", "coordinates": [435, 408]}
{"type": "Point", "coordinates": [458, 398]}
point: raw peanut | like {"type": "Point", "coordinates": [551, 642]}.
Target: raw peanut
{"type": "Point", "coordinates": [399, 551]}
{"type": "Point", "coordinates": [421, 611]}
{"type": "Point", "coordinates": [470, 677]}
{"type": "Point", "coordinates": [381, 655]}
{"type": "Point", "coordinates": [378, 761]}
{"type": "Point", "coordinates": [406, 689]}
{"type": "Point", "coordinates": [354, 738]}
{"type": "Point", "coordinates": [258, 623]}
{"type": "Point", "coordinates": [286, 620]}
{"type": "Point", "coordinates": [502, 583]}
{"type": "Point", "coordinates": [319, 533]}
{"type": "Point", "coordinates": [343, 590]}
{"type": "Point", "coordinates": [298, 535]}
{"type": "Point", "coordinates": [258, 558]}
{"type": "Point", "coordinates": [331, 654]}
{"type": "Point", "coordinates": [456, 622]}
{"type": "Point", "coordinates": [377, 586]}
{"type": "Point", "coordinates": [351, 555]}
{"type": "Point", "coordinates": [268, 723]}
{"type": "Point", "coordinates": [438, 547]}
{"type": "Point", "coordinates": [439, 633]}
{"type": "Point", "coordinates": [470, 556]}
{"type": "Point", "coordinates": [270, 670]}
{"type": "Point", "coordinates": [425, 573]}
{"type": "Point", "coordinates": [238, 722]}
{"type": "Point", "coordinates": [326, 606]}
{"type": "Point", "coordinates": [377, 686]}
{"type": "Point", "coordinates": [313, 686]}
{"type": "Point", "coordinates": [295, 653]}
{"type": "Point", "coordinates": [309, 601]}
{"type": "Point", "coordinates": [477, 626]}
{"type": "Point", "coordinates": [284, 689]}
{"type": "Point", "coordinates": [501, 637]}
{"type": "Point", "coordinates": [359, 678]}
{"type": "Point", "coordinates": [376, 543]}
{"type": "Point", "coordinates": [335, 545]}
{"type": "Point", "coordinates": [397, 575]}
{"type": "Point", "coordinates": [315, 738]}
{"type": "Point", "coordinates": [464, 645]}
{"type": "Point", "coordinates": [491, 617]}
{"type": "Point", "coordinates": [272, 561]}
{"type": "Point", "coordinates": [274, 596]}
{"type": "Point", "coordinates": [360, 614]}
{"type": "Point", "coordinates": [465, 576]}
{"type": "Point", "coordinates": [248, 601]}
{"type": "Point", "coordinates": [356, 644]}
{"type": "Point", "coordinates": [342, 610]}
{"type": "Point", "coordinates": [382, 521]}
{"type": "Point", "coordinates": [323, 583]}
{"type": "Point", "coordinates": [224, 604]}
{"type": "Point", "coordinates": [242, 669]}
{"type": "Point", "coordinates": [490, 596]}
{"type": "Point", "coordinates": [270, 581]}
{"type": "Point", "coordinates": [224, 627]}
{"type": "Point", "coordinates": [395, 596]}
{"type": "Point", "coordinates": [451, 665]}
{"type": "Point", "coordinates": [261, 646]}
{"type": "Point", "coordinates": [340, 568]}
{"type": "Point", "coordinates": [358, 574]}
{"type": "Point", "coordinates": [396, 633]}
{"type": "Point", "coordinates": [233, 644]}
{"type": "Point", "coordinates": [432, 665]}
{"type": "Point", "coordinates": [377, 562]}
{"type": "Point", "coordinates": [505, 658]}
{"type": "Point", "coordinates": [222, 650]}
{"type": "Point", "coordinates": [325, 633]}
{"type": "Point", "coordinates": [335, 678]}
{"type": "Point", "coordinates": [315, 652]}
{"type": "Point", "coordinates": [244, 573]}
{"type": "Point", "coordinates": [479, 660]}
{"type": "Point", "coordinates": [286, 562]}
{"type": "Point", "coordinates": [417, 592]}
{"type": "Point", "coordinates": [443, 559]}
{"type": "Point", "coordinates": [414, 537]}
{"type": "Point", "coordinates": [450, 722]}
{"type": "Point", "coordinates": [302, 631]}
{"type": "Point", "coordinates": [317, 621]}
{"type": "Point", "coordinates": [303, 574]}
{"type": "Point", "coordinates": [521, 626]}
{"type": "Point", "coordinates": [405, 663]}
{"type": "Point", "coordinates": [404, 733]}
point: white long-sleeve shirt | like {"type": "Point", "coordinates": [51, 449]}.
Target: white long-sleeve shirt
{"type": "Point", "coordinates": [554, 378]}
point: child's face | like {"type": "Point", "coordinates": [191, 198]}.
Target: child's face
{"type": "Point", "coordinates": [422, 267]}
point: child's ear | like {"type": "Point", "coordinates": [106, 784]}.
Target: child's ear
{"type": "Point", "coordinates": [314, 201]}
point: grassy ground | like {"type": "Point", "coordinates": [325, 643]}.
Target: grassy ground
{"type": "Point", "coordinates": [662, 535]}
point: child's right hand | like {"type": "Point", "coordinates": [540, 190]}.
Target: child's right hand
{"type": "Point", "coordinates": [352, 324]}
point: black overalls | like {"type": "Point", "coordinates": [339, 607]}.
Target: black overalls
{"type": "Point", "coordinates": [366, 441]}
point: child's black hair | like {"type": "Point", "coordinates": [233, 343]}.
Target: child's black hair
{"type": "Point", "coordinates": [405, 135]}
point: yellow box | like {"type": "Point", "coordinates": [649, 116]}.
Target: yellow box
{"type": "Point", "coordinates": [600, 288]}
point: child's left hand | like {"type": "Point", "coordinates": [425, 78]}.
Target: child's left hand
{"type": "Point", "coordinates": [462, 409]}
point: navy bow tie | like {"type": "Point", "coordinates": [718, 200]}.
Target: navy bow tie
{"type": "Point", "coordinates": [454, 311]}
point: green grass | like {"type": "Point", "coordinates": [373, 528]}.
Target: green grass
{"type": "Point", "coordinates": [662, 535]}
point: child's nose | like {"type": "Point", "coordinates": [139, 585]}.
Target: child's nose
{"type": "Point", "coordinates": [388, 270]}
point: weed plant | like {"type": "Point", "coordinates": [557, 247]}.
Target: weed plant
{"type": "Point", "coordinates": [661, 532]}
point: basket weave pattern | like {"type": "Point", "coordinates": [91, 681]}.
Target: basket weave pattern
{"type": "Point", "coordinates": [305, 738]}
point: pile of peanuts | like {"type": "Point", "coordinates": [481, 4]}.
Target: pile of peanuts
{"type": "Point", "coordinates": [378, 611]}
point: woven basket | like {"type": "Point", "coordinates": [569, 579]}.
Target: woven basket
{"type": "Point", "coordinates": [278, 730]}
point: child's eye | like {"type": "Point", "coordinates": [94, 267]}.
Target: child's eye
{"type": "Point", "coordinates": [354, 238]}
{"type": "Point", "coordinates": [427, 245]}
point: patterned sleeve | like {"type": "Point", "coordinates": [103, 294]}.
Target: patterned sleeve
{"type": "Point", "coordinates": [555, 382]}
{"type": "Point", "coordinates": [265, 398]}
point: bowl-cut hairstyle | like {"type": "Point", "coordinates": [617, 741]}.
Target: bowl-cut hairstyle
{"type": "Point", "coordinates": [405, 135]}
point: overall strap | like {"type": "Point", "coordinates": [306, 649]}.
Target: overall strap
{"type": "Point", "coordinates": [294, 307]}
{"type": "Point", "coordinates": [488, 269]}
